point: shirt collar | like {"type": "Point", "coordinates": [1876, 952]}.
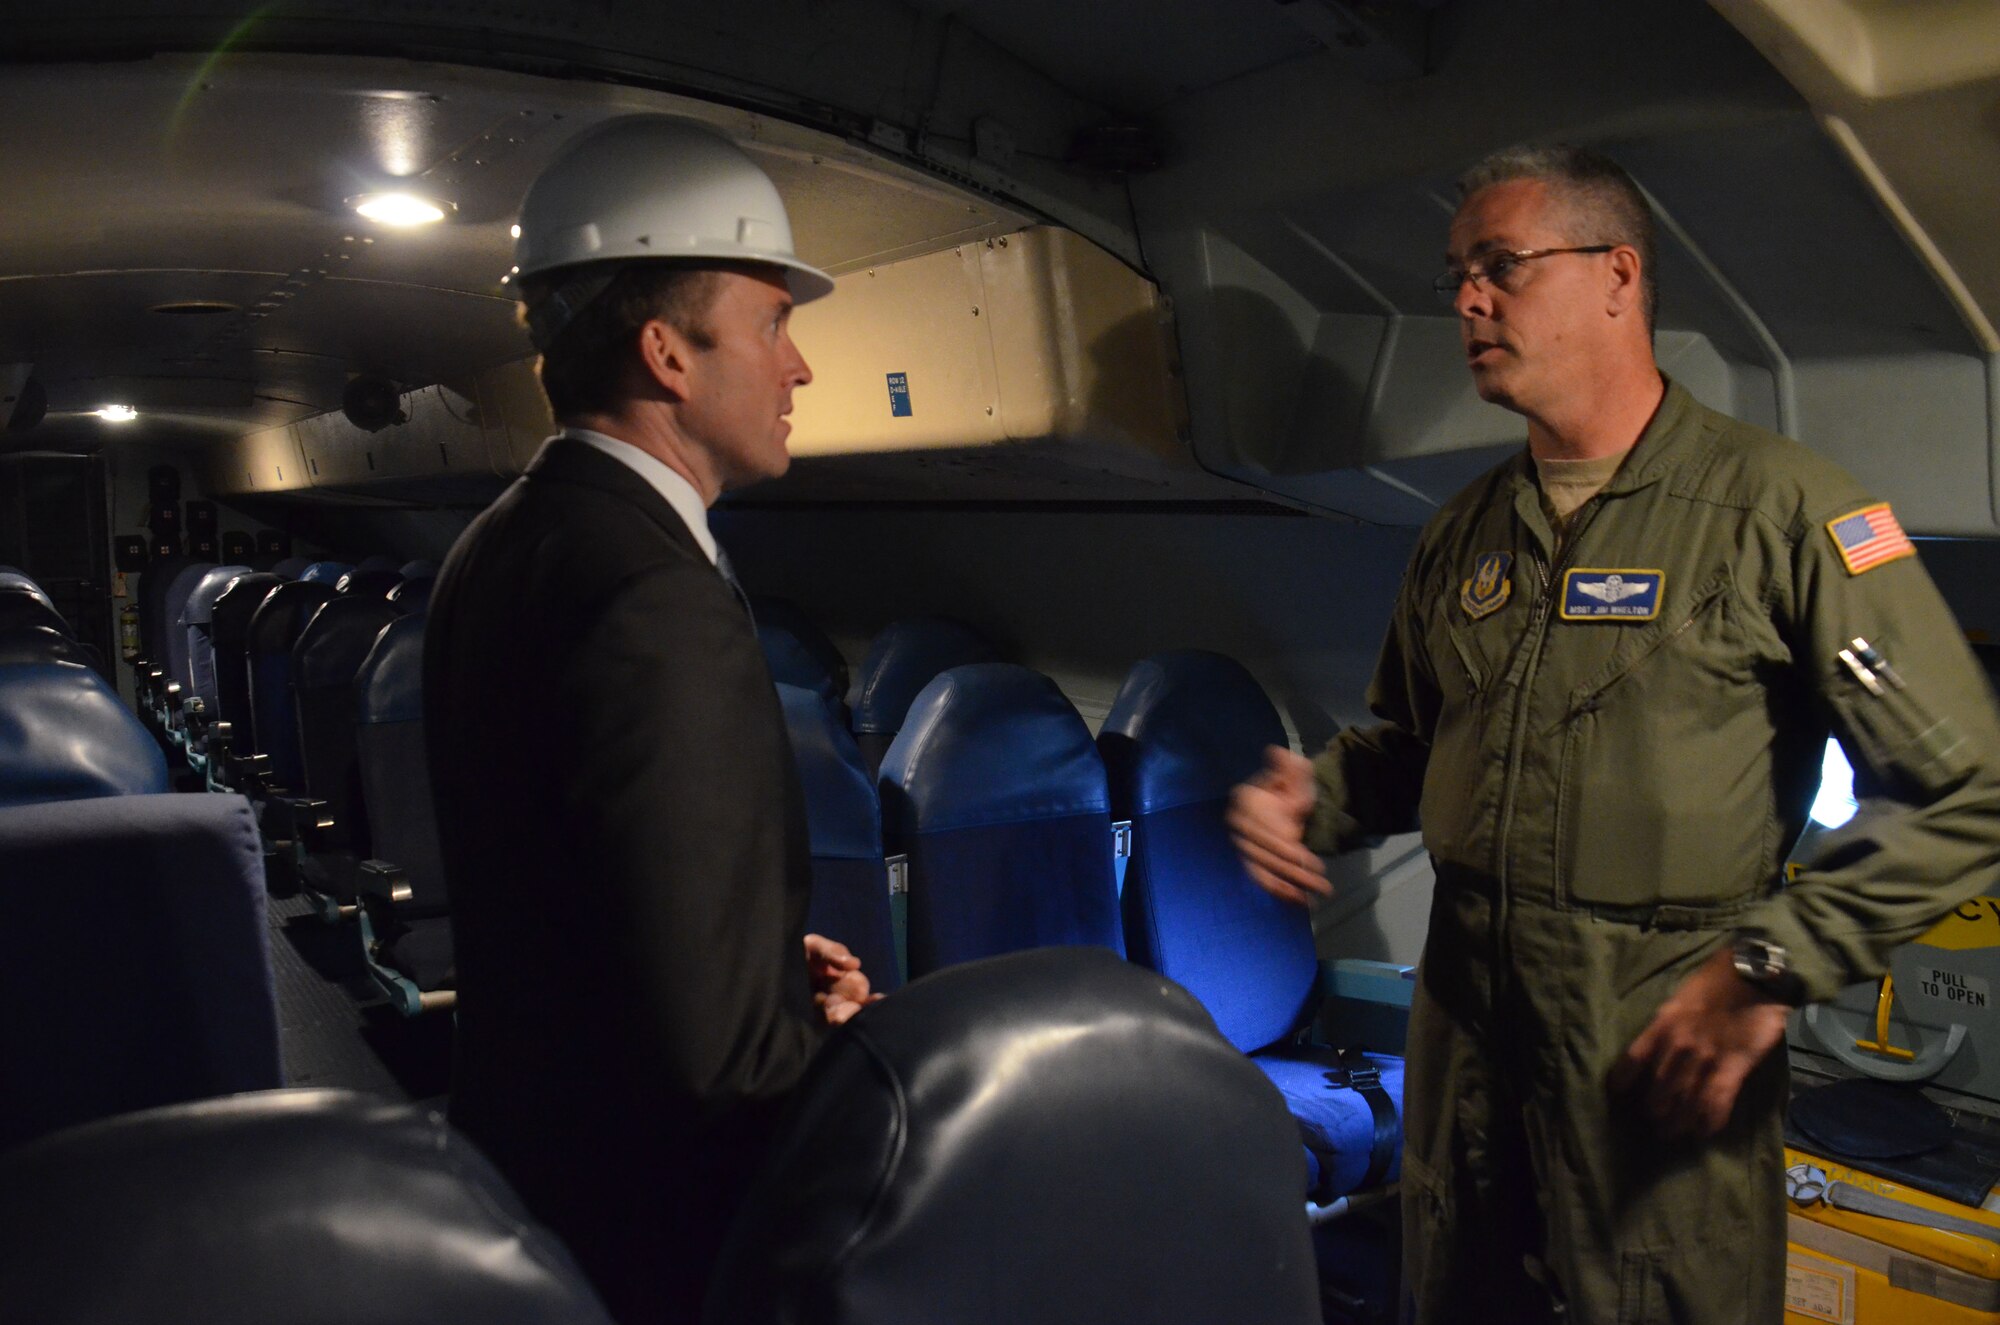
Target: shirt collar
{"type": "Point", "coordinates": [678, 492]}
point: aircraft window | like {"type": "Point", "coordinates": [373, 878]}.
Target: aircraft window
{"type": "Point", "coordinates": [1835, 804]}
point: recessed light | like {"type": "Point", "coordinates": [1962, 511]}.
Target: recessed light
{"type": "Point", "coordinates": [514, 231]}
{"type": "Point", "coordinates": [399, 209]}
{"type": "Point", "coordinates": [117, 413]}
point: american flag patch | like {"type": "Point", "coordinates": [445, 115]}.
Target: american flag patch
{"type": "Point", "coordinates": [1868, 537]}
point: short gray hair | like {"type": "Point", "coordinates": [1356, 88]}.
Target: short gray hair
{"type": "Point", "coordinates": [1602, 204]}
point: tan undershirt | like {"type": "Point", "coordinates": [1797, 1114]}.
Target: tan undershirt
{"type": "Point", "coordinates": [1568, 484]}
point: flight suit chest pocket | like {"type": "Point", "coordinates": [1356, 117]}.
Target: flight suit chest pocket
{"type": "Point", "coordinates": [1664, 779]}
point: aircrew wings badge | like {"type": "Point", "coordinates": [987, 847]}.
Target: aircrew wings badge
{"type": "Point", "coordinates": [1489, 588]}
{"type": "Point", "coordinates": [1868, 537]}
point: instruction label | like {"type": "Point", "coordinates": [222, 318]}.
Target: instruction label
{"type": "Point", "coordinates": [1972, 924]}
{"type": "Point", "coordinates": [1819, 1290]}
{"type": "Point", "coordinates": [899, 395]}
{"type": "Point", "coordinates": [1953, 987]}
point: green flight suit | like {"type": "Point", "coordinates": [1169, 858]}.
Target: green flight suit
{"type": "Point", "coordinates": [1609, 768]}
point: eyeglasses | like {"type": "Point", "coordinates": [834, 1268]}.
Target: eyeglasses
{"type": "Point", "coordinates": [1500, 270]}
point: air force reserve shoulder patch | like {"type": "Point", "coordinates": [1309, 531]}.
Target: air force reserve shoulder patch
{"type": "Point", "coordinates": [1868, 537]}
{"type": "Point", "coordinates": [1489, 588]}
{"type": "Point", "coordinates": [1612, 595]}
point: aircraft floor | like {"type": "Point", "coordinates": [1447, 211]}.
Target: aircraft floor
{"type": "Point", "coordinates": [335, 1028]}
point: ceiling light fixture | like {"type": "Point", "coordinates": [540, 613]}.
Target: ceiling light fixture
{"type": "Point", "coordinates": [117, 414]}
{"type": "Point", "coordinates": [399, 209]}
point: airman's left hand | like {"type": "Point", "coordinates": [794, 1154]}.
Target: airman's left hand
{"type": "Point", "coordinates": [1691, 1060]}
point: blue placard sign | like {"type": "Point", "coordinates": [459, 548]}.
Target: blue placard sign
{"type": "Point", "coordinates": [899, 395]}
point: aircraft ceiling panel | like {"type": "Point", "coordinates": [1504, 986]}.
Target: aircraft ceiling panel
{"type": "Point", "coordinates": [1134, 55]}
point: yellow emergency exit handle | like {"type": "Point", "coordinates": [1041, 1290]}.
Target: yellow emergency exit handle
{"type": "Point", "coordinates": [1885, 1000]}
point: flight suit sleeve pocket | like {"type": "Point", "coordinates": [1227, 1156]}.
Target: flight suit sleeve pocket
{"type": "Point", "coordinates": [1906, 746]}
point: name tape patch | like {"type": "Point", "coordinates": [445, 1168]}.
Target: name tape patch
{"type": "Point", "coordinates": [1612, 595]}
{"type": "Point", "coordinates": [899, 395]}
{"type": "Point", "coordinates": [1869, 537]}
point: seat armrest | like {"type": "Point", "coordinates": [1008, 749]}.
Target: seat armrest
{"type": "Point", "coordinates": [303, 819]}
{"type": "Point", "coordinates": [384, 879]}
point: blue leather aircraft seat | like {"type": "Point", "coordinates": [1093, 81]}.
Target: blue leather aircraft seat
{"type": "Point", "coordinates": [378, 561]}
{"type": "Point", "coordinates": [65, 735]}
{"type": "Point", "coordinates": [418, 569]}
{"type": "Point", "coordinates": [11, 579]}
{"type": "Point", "coordinates": [38, 641]}
{"type": "Point", "coordinates": [325, 660]}
{"type": "Point", "coordinates": [291, 568]}
{"type": "Point", "coordinates": [409, 938]}
{"type": "Point", "coordinates": [850, 887]}
{"type": "Point", "coordinates": [413, 596]}
{"type": "Point", "coordinates": [173, 657]}
{"type": "Point", "coordinates": [902, 659]}
{"type": "Point", "coordinates": [369, 582]}
{"type": "Point", "coordinates": [26, 605]}
{"type": "Point", "coordinates": [140, 972]}
{"type": "Point", "coordinates": [312, 1207]}
{"type": "Point", "coordinates": [325, 572]}
{"type": "Point", "coordinates": [151, 594]}
{"type": "Point", "coordinates": [197, 619]}
{"type": "Point", "coordinates": [996, 794]}
{"type": "Point", "coordinates": [229, 636]}
{"type": "Point", "coordinates": [274, 628]}
{"type": "Point", "coordinates": [1185, 729]}
{"type": "Point", "coordinates": [798, 652]}
{"type": "Point", "coordinates": [1055, 1136]}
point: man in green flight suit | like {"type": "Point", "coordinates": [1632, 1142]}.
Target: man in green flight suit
{"type": "Point", "coordinates": [1609, 678]}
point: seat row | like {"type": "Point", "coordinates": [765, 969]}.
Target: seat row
{"type": "Point", "coordinates": [141, 973]}
{"type": "Point", "coordinates": [990, 822]}
{"type": "Point", "coordinates": [1003, 826]}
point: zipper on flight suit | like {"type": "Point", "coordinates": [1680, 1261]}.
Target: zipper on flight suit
{"type": "Point", "coordinates": [1537, 637]}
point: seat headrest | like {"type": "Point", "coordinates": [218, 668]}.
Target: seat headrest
{"type": "Point", "coordinates": [290, 568]}
{"type": "Point", "coordinates": [413, 596]}
{"type": "Point", "coordinates": [375, 582]}
{"type": "Point", "coordinates": [324, 572]}
{"type": "Point", "coordinates": [843, 812]}
{"type": "Point", "coordinates": [22, 607]}
{"type": "Point", "coordinates": [65, 735]}
{"type": "Point", "coordinates": [1052, 1136]}
{"type": "Point", "coordinates": [200, 606]}
{"type": "Point", "coordinates": [991, 743]}
{"type": "Point", "coordinates": [417, 570]}
{"type": "Point", "coordinates": [36, 642]}
{"type": "Point", "coordinates": [275, 625]}
{"type": "Point", "coordinates": [330, 649]}
{"type": "Point", "coordinates": [313, 1207]}
{"type": "Point", "coordinates": [390, 685]}
{"type": "Point", "coordinates": [797, 651]}
{"type": "Point", "coordinates": [380, 561]}
{"type": "Point", "coordinates": [229, 617]}
{"type": "Point", "coordinates": [903, 658]}
{"type": "Point", "coordinates": [14, 580]}
{"type": "Point", "coordinates": [1186, 726]}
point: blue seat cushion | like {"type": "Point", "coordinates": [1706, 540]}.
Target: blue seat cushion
{"type": "Point", "coordinates": [980, 892]}
{"type": "Point", "coordinates": [1337, 1120]}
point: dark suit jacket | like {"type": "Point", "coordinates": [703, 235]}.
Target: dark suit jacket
{"type": "Point", "coordinates": [626, 854]}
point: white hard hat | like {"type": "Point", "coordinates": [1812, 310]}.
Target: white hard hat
{"type": "Point", "coordinates": [652, 186]}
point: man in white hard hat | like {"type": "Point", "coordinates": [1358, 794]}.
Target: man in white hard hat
{"type": "Point", "coordinates": [622, 827]}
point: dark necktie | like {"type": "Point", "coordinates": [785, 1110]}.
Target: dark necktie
{"type": "Point", "coordinates": [728, 573]}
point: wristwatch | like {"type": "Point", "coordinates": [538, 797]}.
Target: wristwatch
{"type": "Point", "coordinates": [1767, 965]}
